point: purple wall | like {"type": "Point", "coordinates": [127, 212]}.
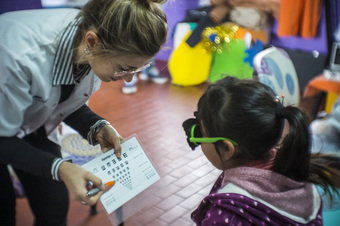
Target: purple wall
{"type": "Point", "coordinates": [12, 5]}
{"type": "Point", "coordinates": [175, 11]}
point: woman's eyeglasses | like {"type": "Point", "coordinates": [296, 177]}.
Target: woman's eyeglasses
{"type": "Point", "coordinates": [122, 73]}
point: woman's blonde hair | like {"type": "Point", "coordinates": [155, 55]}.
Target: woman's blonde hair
{"type": "Point", "coordinates": [136, 27]}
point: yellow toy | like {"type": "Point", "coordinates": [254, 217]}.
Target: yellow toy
{"type": "Point", "coordinates": [189, 66]}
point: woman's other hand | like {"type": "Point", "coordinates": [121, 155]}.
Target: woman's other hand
{"type": "Point", "coordinates": [109, 138]}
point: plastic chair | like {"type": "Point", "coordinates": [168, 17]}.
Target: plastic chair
{"type": "Point", "coordinates": [274, 68]}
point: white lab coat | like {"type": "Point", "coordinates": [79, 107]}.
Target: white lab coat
{"type": "Point", "coordinates": [28, 100]}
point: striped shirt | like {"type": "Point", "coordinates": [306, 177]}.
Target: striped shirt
{"type": "Point", "coordinates": [66, 75]}
{"type": "Point", "coordinates": [63, 72]}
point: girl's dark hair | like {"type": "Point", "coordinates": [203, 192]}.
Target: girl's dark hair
{"type": "Point", "coordinates": [137, 27]}
{"type": "Point", "coordinates": [247, 112]}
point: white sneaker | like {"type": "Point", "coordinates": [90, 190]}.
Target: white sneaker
{"type": "Point", "coordinates": [159, 79]}
{"type": "Point", "coordinates": [129, 89]}
{"type": "Point", "coordinates": [143, 76]}
{"type": "Point", "coordinates": [153, 75]}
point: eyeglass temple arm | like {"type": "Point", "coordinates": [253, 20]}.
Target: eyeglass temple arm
{"type": "Point", "coordinates": [207, 139]}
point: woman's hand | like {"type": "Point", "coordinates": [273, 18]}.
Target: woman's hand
{"type": "Point", "coordinates": [76, 179]}
{"type": "Point", "coordinates": [109, 138]}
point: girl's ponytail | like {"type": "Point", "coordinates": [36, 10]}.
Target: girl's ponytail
{"type": "Point", "coordinates": [292, 158]}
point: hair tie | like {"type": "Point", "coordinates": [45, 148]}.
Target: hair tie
{"type": "Point", "coordinates": [279, 107]}
{"type": "Point", "coordinates": [279, 115]}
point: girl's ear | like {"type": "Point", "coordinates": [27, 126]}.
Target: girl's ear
{"type": "Point", "coordinates": [229, 150]}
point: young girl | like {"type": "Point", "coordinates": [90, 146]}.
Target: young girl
{"type": "Point", "coordinates": [266, 180]}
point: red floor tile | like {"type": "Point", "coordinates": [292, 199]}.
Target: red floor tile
{"type": "Point", "coordinates": [155, 114]}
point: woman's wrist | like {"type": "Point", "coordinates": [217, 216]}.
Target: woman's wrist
{"type": "Point", "coordinates": [55, 167]}
{"type": "Point", "coordinates": [91, 136]}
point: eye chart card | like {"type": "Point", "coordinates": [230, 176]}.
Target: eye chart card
{"type": "Point", "coordinates": [132, 173]}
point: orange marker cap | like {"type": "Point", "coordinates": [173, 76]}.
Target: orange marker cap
{"type": "Point", "coordinates": [109, 184]}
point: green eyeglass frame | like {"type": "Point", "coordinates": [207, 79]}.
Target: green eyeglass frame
{"type": "Point", "coordinates": [197, 140]}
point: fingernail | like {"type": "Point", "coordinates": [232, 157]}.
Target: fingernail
{"type": "Point", "coordinates": [119, 155]}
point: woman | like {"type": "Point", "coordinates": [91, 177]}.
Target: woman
{"type": "Point", "coordinates": [51, 62]}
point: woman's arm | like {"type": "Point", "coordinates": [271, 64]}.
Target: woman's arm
{"type": "Point", "coordinates": [96, 129]}
{"type": "Point", "coordinates": [21, 155]}
{"type": "Point", "coordinates": [82, 119]}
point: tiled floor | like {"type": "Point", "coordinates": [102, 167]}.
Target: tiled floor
{"type": "Point", "coordinates": [155, 114]}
